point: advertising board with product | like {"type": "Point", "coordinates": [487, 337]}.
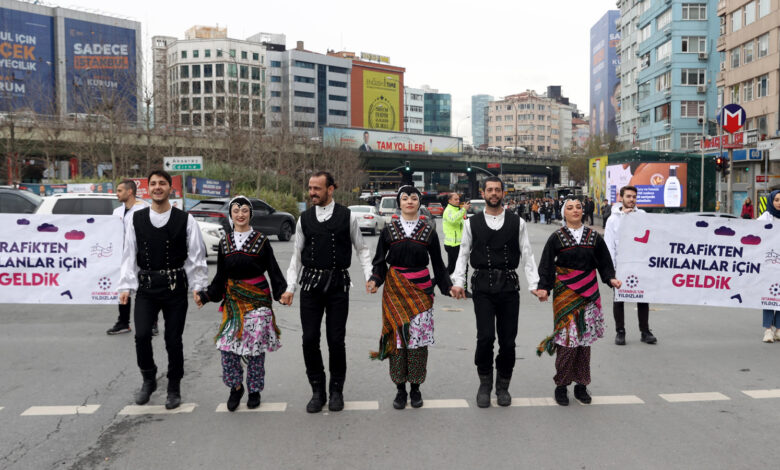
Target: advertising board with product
{"type": "Point", "coordinates": [694, 260]}
{"type": "Point", "coordinates": [370, 140]}
{"type": "Point", "coordinates": [381, 100]}
{"type": "Point", "coordinates": [659, 184]}
{"type": "Point", "coordinates": [26, 62]}
{"type": "Point", "coordinates": [60, 259]}
{"type": "Point", "coordinates": [597, 180]}
{"type": "Point", "coordinates": [100, 67]}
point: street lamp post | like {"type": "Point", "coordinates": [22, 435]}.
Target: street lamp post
{"type": "Point", "coordinates": [550, 181]}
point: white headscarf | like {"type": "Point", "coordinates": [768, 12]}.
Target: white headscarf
{"type": "Point", "coordinates": [563, 208]}
{"type": "Point", "coordinates": [241, 201]}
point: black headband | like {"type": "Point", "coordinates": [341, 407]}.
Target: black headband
{"type": "Point", "coordinates": [407, 189]}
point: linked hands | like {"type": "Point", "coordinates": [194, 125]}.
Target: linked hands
{"type": "Point", "coordinates": [196, 298]}
{"type": "Point", "coordinates": [540, 294]}
{"type": "Point", "coordinates": [287, 299]}
{"type": "Point", "coordinates": [371, 287]}
{"type": "Point", "coordinates": [124, 297]}
{"type": "Point", "coordinates": [615, 283]}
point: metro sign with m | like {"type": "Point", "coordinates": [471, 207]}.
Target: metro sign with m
{"type": "Point", "coordinates": [732, 117]}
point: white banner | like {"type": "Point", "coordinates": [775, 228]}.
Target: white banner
{"type": "Point", "coordinates": [60, 259]}
{"type": "Point", "coordinates": [687, 259]}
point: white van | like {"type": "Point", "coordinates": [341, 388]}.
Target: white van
{"type": "Point", "coordinates": [387, 207]}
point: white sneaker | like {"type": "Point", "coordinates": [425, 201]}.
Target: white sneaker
{"type": "Point", "coordinates": [769, 337]}
{"type": "Point", "coordinates": [777, 334]}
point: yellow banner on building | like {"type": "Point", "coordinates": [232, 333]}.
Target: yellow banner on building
{"type": "Point", "coordinates": [381, 100]}
{"type": "Point", "coordinates": [597, 181]}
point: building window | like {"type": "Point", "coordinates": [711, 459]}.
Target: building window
{"type": "Point", "coordinates": [663, 51]}
{"type": "Point", "coordinates": [344, 98]}
{"type": "Point", "coordinates": [694, 11]}
{"type": "Point", "coordinates": [196, 88]}
{"type": "Point", "coordinates": [508, 117]}
{"type": "Point", "coordinates": [301, 79]}
{"type": "Point", "coordinates": [303, 65]}
{"type": "Point", "coordinates": [276, 63]}
{"type": "Point", "coordinates": [692, 77]}
{"type": "Point", "coordinates": [304, 94]}
{"type": "Point", "coordinates": [233, 86]}
{"type": "Point", "coordinates": [644, 61]}
{"type": "Point", "coordinates": [196, 71]}
{"type": "Point", "coordinates": [220, 70]}
{"type": "Point", "coordinates": [220, 102]}
{"type": "Point", "coordinates": [304, 124]}
{"type": "Point", "coordinates": [255, 56]}
{"type": "Point", "coordinates": [694, 44]}
{"type": "Point", "coordinates": [337, 84]}
{"type": "Point", "coordinates": [276, 109]}
{"type": "Point", "coordinates": [207, 70]}
{"type": "Point", "coordinates": [304, 109]}
{"type": "Point", "coordinates": [208, 103]}
{"type": "Point", "coordinates": [762, 86]}
{"type": "Point", "coordinates": [255, 89]}
{"type": "Point", "coordinates": [184, 104]}
{"type": "Point", "coordinates": [334, 69]}
{"type": "Point", "coordinates": [662, 113]}
{"type": "Point", "coordinates": [255, 73]}
{"type": "Point", "coordinates": [244, 72]}
{"type": "Point", "coordinates": [208, 87]}
{"type": "Point", "coordinates": [244, 86]}
{"type": "Point", "coordinates": [195, 54]}
{"type": "Point", "coordinates": [219, 52]}
{"type": "Point", "coordinates": [232, 70]}
{"type": "Point", "coordinates": [183, 54]}
{"type": "Point", "coordinates": [244, 104]}
{"type": "Point", "coordinates": [499, 118]}
{"type": "Point", "coordinates": [663, 143]}
{"type": "Point", "coordinates": [691, 109]}
{"type": "Point", "coordinates": [747, 90]}
{"type": "Point", "coordinates": [276, 79]}
{"type": "Point", "coordinates": [663, 81]}
{"type": "Point", "coordinates": [735, 58]}
{"type": "Point", "coordinates": [220, 86]}
{"type": "Point", "coordinates": [244, 55]}
{"type": "Point", "coordinates": [663, 19]}
{"type": "Point", "coordinates": [232, 53]}
{"type": "Point", "coordinates": [736, 21]}
{"type": "Point", "coordinates": [750, 13]}
{"type": "Point", "coordinates": [276, 94]}
{"type": "Point", "coordinates": [196, 104]}
{"type": "Point", "coordinates": [689, 141]}
{"type": "Point", "coordinates": [337, 112]}
{"type": "Point", "coordinates": [184, 88]}
{"type": "Point", "coordinates": [763, 8]}
{"type": "Point", "coordinates": [644, 33]}
{"type": "Point", "coordinates": [644, 118]}
{"type": "Point", "coordinates": [207, 53]}
{"type": "Point", "coordinates": [747, 50]}
{"type": "Point", "coordinates": [763, 45]}
{"type": "Point", "coordinates": [184, 71]}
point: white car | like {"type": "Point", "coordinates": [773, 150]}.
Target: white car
{"type": "Point", "coordinates": [477, 206]}
{"type": "Point", "coordinates": [79, 204]}
{"type": "Point", "coordinates": [387, 207]}
{"type": "Point", "coordinates": [368, 219]}
{"type": "Point", "coordinates": [212, 234]}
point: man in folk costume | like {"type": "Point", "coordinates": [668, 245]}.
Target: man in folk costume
{"type": "Point", "coordinates": [407, 244]}
{"type": "Point", "coordinates": [495, 241]}
{"type": "Point", "coordinates": [324, 237]}
{"type": "Point", "coordinates": [567, 269]}
{"type": "Point", "coordinates": [163, 254]}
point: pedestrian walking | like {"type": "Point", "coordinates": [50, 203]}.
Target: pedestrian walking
{"type": "Point", "coordinates": [567, 269]}
{"type": "Point", "coordinates": [772, 317]}
{"type": "Point", "coordinates": [405, 248]}
{"type": "Point", "coordinates": [747, 209]}
{"type": "Point", "coordinates": [494, 242]}
{"type": "Point", "coordinates": [589, 207]}
{"type": "Point", "coordinates": [163, 255]}
{"type": "Point", "coordinates": [612, 238]}
{"type": "Point", "coordinates": [126, 194]}
{"type": "Point", "coordinates": [247, 282]}
{"type": "Point", "coordinates": [606, 210]}
{"type": "Point", "coordinates": [324, 237]}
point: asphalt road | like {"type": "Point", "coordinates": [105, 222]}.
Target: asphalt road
{"type": "Point", "coordinates": [61, 357]}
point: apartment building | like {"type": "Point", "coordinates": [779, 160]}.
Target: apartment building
{"type": "Point", "coordinates": [628, 70]}
{"type": "Point", "coordinates": [677, 72]}
{"type": "Point", "coordinates": [437, 112]}
{"type": "Point", "coordinates": [479, 123]}
{"type": "Point", "coordinates": [527, 120]}
{"type": "Point", "coordinates": [414, 105]}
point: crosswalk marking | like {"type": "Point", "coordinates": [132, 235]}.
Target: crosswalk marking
{"type": "Point", "coordinates": [361, 405]}
{"type": "Point", "coordinates": [454, 403]}
{"type": "Point", "coordinates": [689, 397]}
{"type": "Point", "coordinates": [617, 400]}
{"type": "Point", "coordinates": [135, 410]}
{"type": "Point", "coordinates": [533, 401]}
{"type": "Point", "coordinates": [774, 393]}
{"type": "Point", "coordinates": [279, 407]}
{"type": "Point", "coordinates": [60, 410]}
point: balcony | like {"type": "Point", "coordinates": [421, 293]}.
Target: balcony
{"type": "Point", "coordinates": [721, 7]}
{"type": "Point", "coordinates": [721, 44]}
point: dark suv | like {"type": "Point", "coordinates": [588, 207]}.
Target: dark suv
{"type": "Point", "coordinates": [265, 218]}
{"type": "Point", "coordinates": [18, 201]}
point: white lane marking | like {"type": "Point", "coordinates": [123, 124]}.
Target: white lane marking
{"type": "Point", "coordinates": [135, 410]}
{"type": "Point", "coordinates": [1, 408]}
{"type": "Point", "coordinates": [773, 393]}
{"type": "Point", "coordinates": [281, 406]}
{"type": "Point", "coordinates": [454, 403]}
{"type": "Point", "coordinates": [617, 400]}
{"type": "Point", "coordinates": [534, 401]}
{"type": "Point", "coordinates": [360, 405]}
{"type": "Point", "coordinates": [60, 410]}
{"type": "Point", "coordinates": [688, 397]}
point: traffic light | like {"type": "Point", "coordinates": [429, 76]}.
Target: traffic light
{"type": "Point", "coordinates": [407, 166]}
{"type": "Point", "coordinates": [468, 168]}
{"type": "Point", "coordinates": [726, 166]}
{"type": "Point", "coordinates": [719, 164]}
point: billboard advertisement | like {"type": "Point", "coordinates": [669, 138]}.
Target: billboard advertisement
{"type": "Point", "coordinates": [370, 140]}
{"type": "Point", "coordinates": [597, 180]}
{"type": "Point", "coordinates": [208, 187]}
{"type": "Point", "coordinates": [26, 62]}
{"type": "Point", "coordinates": [381, 100]}
{"type": "Point", "coordinates": [100, 68]}
{"type": "Point", "coordinates": [658, 184]}
{"type": "Point", "coordinates": [604, 83]}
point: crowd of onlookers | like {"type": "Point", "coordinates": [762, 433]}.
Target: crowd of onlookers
{"type": "Point", "coordinates": [548, 210]}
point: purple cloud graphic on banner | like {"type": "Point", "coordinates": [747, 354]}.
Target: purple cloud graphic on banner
{"type": "Point", "coordinates": [74, 235]}
{"type": "Point", "coordinates": [751, 240]}
{"type": "Point", "coordinates": [723, 230]}
{"type": "Point", "coordinates": [22, 222]}
{"type": "Point", "coordinates": [90, 220]}
{"type": "Point", "coordinates": [47, 228]}
{"type": "Point", "coordinates": [768, 226]}
{"type": "Point", "coordinates": [702, 224]}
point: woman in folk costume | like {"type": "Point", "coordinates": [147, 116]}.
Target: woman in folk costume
{"type": "Point", "coordinates": [567, 268]}
{"type": "Point", "coordinates": [248, 327]}
{"type": "Point", "coordinates": [406, 245]}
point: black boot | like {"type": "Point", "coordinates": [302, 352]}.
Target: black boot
{"type": "Point", "coordinates": [400, 398]}
{"type": "Point", "coordinates": [235, 398]}
{"type": "Point", "coordinates": [174, 394]}
{"type": "Point", "coordinates": [148, 387]}
{"type": "Point", "coordinates": [336, 402]}
{"type": "Point", "coordinates": [581, 394]}
{"type": "Point", "coordinates": [318, 396]}
{"type": "Point", "coordinates": [503, 398]}
{"type": "Point", "coordinates": [415, 397]}
{"type": "Point", "coordinates": [561, 395]}
{"type": "Point", "coordinates": [648, 337]}
{"type": "Point", "coordinates": [620, 337]}
{"type": "Point", "coordinates": [253, 401]}
{"type": "Point", "coordinates": [485, 387]}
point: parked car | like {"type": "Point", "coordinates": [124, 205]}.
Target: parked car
{"type": "Point", "coordinates": [436, 209]}
{"type": "Point", "coordinates": [212, 234]}
{"type": "Point", "coordinates": [477, 206]}
{"type": "Point", "coordinates": [18, 201]}
{"type": "Point", "coordinates": [265, 218]}
{"type": "Point", "coordinates": [387, 207]}
{"type": "Point", "coordinates": [79, 203]}
{"type": "Point", "coordinates": [368, 218]}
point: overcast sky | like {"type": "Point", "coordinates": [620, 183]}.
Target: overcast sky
{"type": "Point", "coordinates": [462, 48]}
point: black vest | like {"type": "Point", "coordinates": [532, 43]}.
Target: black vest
{"type": "Point", "coordinates": [164, 247]}
{"type": "Point", "coordinates": [495, 254]}
{"type": "Point", "coordinates": [328, 244]}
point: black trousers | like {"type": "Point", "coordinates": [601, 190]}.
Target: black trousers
{"type": "Point", "coordinates": [334, 304]}
{"type": "Point", "coordinates": [643, 312]}
{"type": "Point", "coordinates": [173, 303]}
{"type": "Point", "coordinates": [124, 312]}
{"type": "Point", "coordinates": [588, 216]}
{"type": "Point", "coordinates": [452, 257]}
{"type": "Point", "coordinates": [496, 314]}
